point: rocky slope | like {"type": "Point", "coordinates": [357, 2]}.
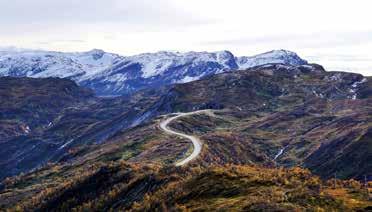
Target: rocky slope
{"type": "Point", "coordinates": [111, 74]}
{"type": "Point", "coordinates": [43, 119]}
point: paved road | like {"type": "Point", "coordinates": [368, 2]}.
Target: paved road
{"type": "Point", "coordinates": [195, 141]}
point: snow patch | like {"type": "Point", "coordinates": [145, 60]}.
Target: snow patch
{"type": "Point", "coordinates": [320, 95]}
{"type": "Point", "coordinates": [188, 79]}
{"type": "Point", "coordinates": [356, 84]}
{"type": "Point", "coordinates": [27, 130]}
{"type": "Point", "coordinates": [281, 151]}
{"type": "Point", "coordinates": [66, 144]}
{"type": "Point", "coordinates": [354, 88]}
{"type": "Point", "coordinates": [336, 77]}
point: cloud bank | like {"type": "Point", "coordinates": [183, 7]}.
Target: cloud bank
{"type": "Point", "coordinates": [320, 31]}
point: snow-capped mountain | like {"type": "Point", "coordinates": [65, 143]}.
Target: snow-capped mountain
{"type": "Point", "coordinates": [41, 64]}
{"type": "Point", "coordinates": [276, 56]}
{"type": "Point", "coordinates": [112, 74]}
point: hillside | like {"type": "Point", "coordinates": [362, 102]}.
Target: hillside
{"type": "Point", "coordinates": [313, 118]}
{"type": "Point", "coordinates": [262, 125]}
{"type": "Point", "coordinates": [31, 103]}
{"type": "Point", "coordinates": [122, 186]}
{"type": "Point", "coordinates": [42, 119]}
{"type": "Point", "coordinates": [316, 119]}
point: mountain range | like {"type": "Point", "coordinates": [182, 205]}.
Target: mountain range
{"type": "Point", "coordinates": [111, 74]}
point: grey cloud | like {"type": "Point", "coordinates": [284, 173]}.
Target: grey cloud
{"type": "Point", "coordinates": [324, 39]}
{"type": "Point", "coordinates": [18, 15]}
{"type": "Point", "coordinates": [340, 57]}
{"type": "Point", "coordinates": [344, 62]}
{"type": "Point", "coordinates": [53, 42]}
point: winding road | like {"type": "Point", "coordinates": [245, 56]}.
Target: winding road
{"type": "Point", "coordinates": [195, 141]}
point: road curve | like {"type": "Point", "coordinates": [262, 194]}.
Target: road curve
{"type": "Point", "coordinates": [195, 141]}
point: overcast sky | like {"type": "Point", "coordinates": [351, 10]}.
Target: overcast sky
{"type": "Point", "coordinates": [334, 33]}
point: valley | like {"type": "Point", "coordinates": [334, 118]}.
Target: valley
{"type": "Point", "coordinates": [271, 137]}
{"type": "Point", "coordinates": [185, 106]}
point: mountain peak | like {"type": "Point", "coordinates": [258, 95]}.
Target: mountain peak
{"type": "Point", "coordinates": [96, 53]}
{"type": "Point", "coordinates": [282, 51]}
{"type": "Point", "coordinates": [275, 56]}
{"type": "Point", "coordinates": [224, 54]}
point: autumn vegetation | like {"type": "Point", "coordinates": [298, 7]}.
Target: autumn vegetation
{"type": "Point", "coordinates": [134, 187]}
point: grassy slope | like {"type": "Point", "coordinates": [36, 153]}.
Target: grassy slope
{"type": "Point", "coordinates": [123, 186]}
{"type": "Point", "coordinates": [326, 142]}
